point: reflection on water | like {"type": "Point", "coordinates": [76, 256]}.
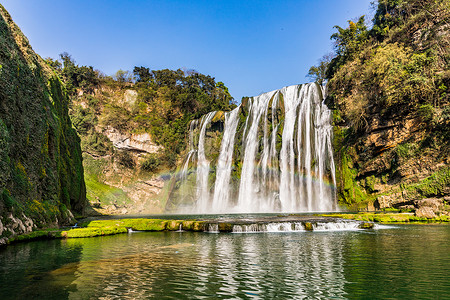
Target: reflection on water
{"type": "Point", "coordinates": [402, 262]}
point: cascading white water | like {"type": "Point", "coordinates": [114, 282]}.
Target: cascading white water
{"type": "Point", "coordinates": [223, 172]}
{"type": "Point", "coordinates": [192, 150]}
{"type": "Point", "coordinates": [285, 159]}
{"type": "Point", "coordinates": [248, 200]}
{"type": "Point", "coordinates": [203, 167]}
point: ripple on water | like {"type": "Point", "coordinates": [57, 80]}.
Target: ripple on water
{"type": "Point", "coordinates": [405, 261]}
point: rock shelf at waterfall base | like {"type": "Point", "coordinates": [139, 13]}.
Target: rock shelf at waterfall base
{"type": "Point", "coordinates": [254, 224]}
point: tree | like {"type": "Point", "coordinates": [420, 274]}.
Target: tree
{"type": "Point", "coordinates": [142, 74]}
{"type": "Point", "coordinates": [123, 76]}
{"type": "Point", "coordinates": [349, 40]}
{"type": "Point", "coordinates": [388, 14]}
{"type": "Point", "coordinates": [74, 77]}
{"type": "Point", "coordinates": [318, 73]}
{"type": "Point", "coordinates": [54, 63]}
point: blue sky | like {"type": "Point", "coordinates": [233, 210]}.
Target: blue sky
{"type": "Point", "coordinates": [252, 46]}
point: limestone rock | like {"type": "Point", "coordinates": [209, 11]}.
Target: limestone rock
{"type": "Point", "coordinates": [130, 97]}
{"type": "Point", "coordinates": [434, 203]}
{"type": "Point", "coordinates": [425, 212]}
{"type": "Point", "coordinates": [136, 142]}
{"type": "Point", "coordinates": [386, 201]}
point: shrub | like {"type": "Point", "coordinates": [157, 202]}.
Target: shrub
{"type": "Point", "coordinates": [124, 158]}
{"type": "Point", "coordinates": [426, 113]}
{"type": "Point", "coordinates": [151, 163]}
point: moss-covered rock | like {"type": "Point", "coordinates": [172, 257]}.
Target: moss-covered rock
{"type": "Point", "coordinates": [308, 226]}
{"type": "Point", "coordinates": [40, 155]}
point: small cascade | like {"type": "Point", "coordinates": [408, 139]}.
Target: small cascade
{"type": "Point", "coordinates": [212, 228]}
{"type": "Point", "coordinates": [336, 226]}
{"type": "Point", "coordinates": [269, 227]}
{"type": "Point", "coordinates": [296, 227]}
{"type": "Point", "coordinates": [273, 153]}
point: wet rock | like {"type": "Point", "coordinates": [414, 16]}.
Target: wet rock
{"type": "Point", "coordinates": [225, 227]}
{"type": "Point", "coordinates": [425, 212]}
{"type": "Point", "coordinates": [366, 225]}
{"type": "Point", "coordinates": [308, 226]}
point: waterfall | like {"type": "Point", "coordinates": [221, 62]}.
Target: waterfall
{"type": "Point", "coordinates": [203, 166]}
{"type": "Point", "coordinates": [248, 200]}
{"type": "Point", "coordinates": [223, 171]}
{"type": "Point", "coordinates": [275, 155]}
{"type": "Point", "coordinates": [190, 155]}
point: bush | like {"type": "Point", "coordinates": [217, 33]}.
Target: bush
{"type": "Point", "coordinates": [426, 113]}
{"type": "Point", "coordinates": [405, 150]}
{"type": "Point", "coordinates": [124, 158]}
{"type": "Point", "coordinates": [151, 163]}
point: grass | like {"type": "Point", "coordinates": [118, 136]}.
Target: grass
{"type": "Point", "coordinates": [110, 227]}
{"type": "Point", "coordinates": [104, 193]}
{"type": "Point", "coordinates": [37, 235]}
{"type": "Point", "coordinates": [93, 231]}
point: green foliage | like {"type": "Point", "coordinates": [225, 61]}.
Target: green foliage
{"type": "Point", "coordinates": [405, 150]}
{"type": "Point", "coordinates": [96, 143]}
{"type": "Point", "coordinates": [433, 185]}
{"type": "Point", "coordinates": [370, 183]}
{"type": "Point", "coordinates": [96, 191]}
{"type": "Point", "coordinates": [124, 158]}
{"type": "Point", "coordinates": [318, 73]}
{"type": "Point", "coordinates": [389, 13]}
{"type": "Point", "coordinates": [123, 76]}
{"type": "Point", "coordinates": [92, 232]}
{"type": "Point", "coordinates": [350, 191]}
{"type": "Point", "coordinates": [426, 113]}
{"type": "Point", "coordinates": [117, 117]}
{"type": "Point", "coordinates": [151, 163]}
{"type": "Point", "coordinates": [348, 41]}
{"type": "Point", "coordinates": [7, 199]}
{"type": "Point", "coordinates": [385, 77]}
{"type": "Point", "coordinates": [142, 74]}
{"type": "Point", "coordinates": [37, 235]}
{"type": "Point", "coordinates": [75, 76]}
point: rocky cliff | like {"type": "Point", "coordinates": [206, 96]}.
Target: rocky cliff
{"type": "Point", "coordinates": [120, 176]}
{"type": "Point", "coordinates": [389, 87]}
{"type": "Point", "coordinates": [41, 172]}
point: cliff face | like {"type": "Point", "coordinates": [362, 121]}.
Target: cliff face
{"type": "Point", "coordinates": [392, 111]}
{"type": "Point", "coordinates": [115, 155]}
{"type": "Point", "coordinates": [41, 172]}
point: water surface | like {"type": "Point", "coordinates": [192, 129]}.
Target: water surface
{"type": "Point", "coordinates": [401, 262]}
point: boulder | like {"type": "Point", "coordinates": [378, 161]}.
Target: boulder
{"type": "Point", "coordinates": [425, 212]}
{"type": "Point", "coordinates": [433, 203]}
